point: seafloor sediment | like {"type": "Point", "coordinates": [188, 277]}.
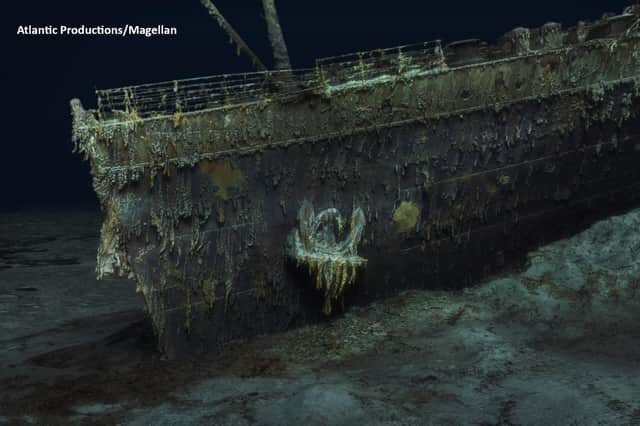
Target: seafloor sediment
{"type": "Point", "coordinates": [556, 343]}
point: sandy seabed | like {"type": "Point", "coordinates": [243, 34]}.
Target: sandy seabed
{"type": "Point", "coordinates": [556, 343]}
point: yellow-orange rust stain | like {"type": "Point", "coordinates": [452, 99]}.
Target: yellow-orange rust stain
{"type": "Point", "coordinates": [179, 119]}
{"type": "Point", "coordinates": [224, 175]}
{"type": "Point", "coordinates": [406, 216]}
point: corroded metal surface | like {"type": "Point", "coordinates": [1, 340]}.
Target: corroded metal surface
{"type": "Point", "coordinates": [458, 163]}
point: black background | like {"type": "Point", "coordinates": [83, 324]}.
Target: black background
{"type": "Point", "coordinates": [40, 74]}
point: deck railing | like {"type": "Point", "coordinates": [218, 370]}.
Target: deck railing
{"type": "Point", "coordinates": [195, 94]}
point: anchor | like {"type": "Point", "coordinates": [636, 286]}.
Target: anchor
{"type": "Point", "coordinates": [328, 248]}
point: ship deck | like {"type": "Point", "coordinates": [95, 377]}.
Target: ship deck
{"type": "Point", "coordinates": [351, 71]}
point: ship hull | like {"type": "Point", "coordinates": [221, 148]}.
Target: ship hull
{"type": "Point", "coordinates": [240, 280]}
{"type": "Point", "coordinates": [441, 193]}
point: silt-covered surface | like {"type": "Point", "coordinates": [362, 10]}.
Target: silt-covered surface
{"type": "Point", "coordinates": [556, 343]}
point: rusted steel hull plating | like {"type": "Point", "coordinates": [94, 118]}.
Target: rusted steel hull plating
{"type": "Point", "coordinates": [249, 217]}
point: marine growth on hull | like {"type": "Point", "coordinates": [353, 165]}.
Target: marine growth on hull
{"type": "Point", "coordinates": [462, 155]}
